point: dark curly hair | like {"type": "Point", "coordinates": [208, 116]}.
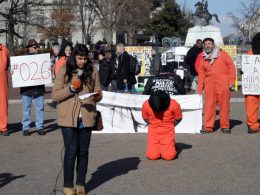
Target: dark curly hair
{"type": "Point", "coordinates": [71, 66]}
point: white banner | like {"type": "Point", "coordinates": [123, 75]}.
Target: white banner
{"type": "Point", "coordinates": [31, 70]}
{"type": "Point", "coordinates": [121, 113]}
{"type": "Point", "coordinates": [251, 74]}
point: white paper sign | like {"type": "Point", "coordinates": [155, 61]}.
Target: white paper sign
{"type": "Point", "coordinates": [251, 74]}
{"type": "Point", "coordinates": [30, 70]}
{"type": "Point", "coordinates": [82, 97]}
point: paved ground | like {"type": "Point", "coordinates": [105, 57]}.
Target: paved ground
{"type": "Point", "coordinates": [207, 164]}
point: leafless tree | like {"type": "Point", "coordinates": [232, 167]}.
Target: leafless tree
{"type": "Point", "coordinates": [87, 19]}
{"type": "Point", "coordinates": [250, 18]}
{"type": "Point", "coordinates": [13, 13]}
{"type": "Point", "coordinates": [136, 16]}
{"type": "Point", "coordinates": [109, 14]}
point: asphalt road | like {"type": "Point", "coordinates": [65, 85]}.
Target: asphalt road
{"type": "Point", "coordinates": [207, 164]}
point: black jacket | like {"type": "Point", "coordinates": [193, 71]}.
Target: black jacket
{"type": "Point", "coordinates": [123, 71]}
{"type": "Point", "coordinates": [35, 90]}
{"type": "Point", "coordinates": [156, 64]}
{"type": "Point", "coordinates": [105, 72]}
{"type": "Point", "coordinates": [191, 58]}
{"type": "Point", "coordinates": [168, 82]}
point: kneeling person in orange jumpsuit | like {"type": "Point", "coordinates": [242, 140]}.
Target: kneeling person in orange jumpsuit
{"type": "Point", "coordinates": [216, 76]}
{"type": "Point", "coordinates": [162, 114]}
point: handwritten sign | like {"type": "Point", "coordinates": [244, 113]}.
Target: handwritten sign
{"type": "Point", "coordinates": [30, 70]}
{"type": "Point", "coordinates": [251, 74]}
{"type": "Point", "coordinates": [230, 49]}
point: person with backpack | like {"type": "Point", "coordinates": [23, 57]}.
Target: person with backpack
{"type": "Point", "coordinates": [125, 78]}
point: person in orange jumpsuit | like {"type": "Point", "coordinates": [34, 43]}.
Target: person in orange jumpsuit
{"type": "Point", "coordinates": [252, 101]}
{"type": "Point", "coordinates": [162, 114]}
{"type": "Point", "coordinates": [64, 53]}
{"type": "Point", "coordinates": [216, 77]}
{"type": "Point", "coordinates": [4, 62]}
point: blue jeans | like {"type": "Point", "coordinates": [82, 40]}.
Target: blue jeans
{"type": "Point", "coordinates": [39, 110]}
{"type": "Point", "coordinates": [76, 143]}
{"type": "Point", "coordinates": [113, 85]}
{"type": "Point", "coordinates": [132, 90]}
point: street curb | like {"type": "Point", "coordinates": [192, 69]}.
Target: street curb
{"type": "Point", "coordinates": [232, 100]}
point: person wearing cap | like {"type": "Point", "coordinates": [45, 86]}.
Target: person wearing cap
{"type": "Point", "coordinates": [156, 63]}
{"type": "Point", "coordinates": [252, 101]}
{"type": "Point", "coordinates": [217, 75]}
{"type": "Point", "coordinates": [35, 93]}
{"type": "Point", "coordinates": [162, 114]}
{"type": "Point", "coordinates": [4, 63]}
{"type": "Point", "coordinates": [105, 68]}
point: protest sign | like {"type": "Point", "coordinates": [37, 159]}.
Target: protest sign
{"type": "Point", "coordinates": [251, 74]}
{"type": "Point", "coordinates": [143, 55]}
{"type": "Point", "coordinates": [31, 70]}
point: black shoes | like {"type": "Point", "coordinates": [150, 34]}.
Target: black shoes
{"type": "Point", "coordinates": [26, 133]}
{"type": "Point", "coordinates": [226, 130]}
{"type": "Point", "coordinates": [4, 133]}
{"type": "Point", "coordinates": [253, 130]}
{"type": "Point", "coordinates": [41, 132]}
{"type": "Point", "coordinates": [204, 131]}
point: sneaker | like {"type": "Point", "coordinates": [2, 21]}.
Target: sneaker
{"type": "Point", "coordinates": [4, 133]}
{"type": "Point", "coordinates": [252, 130]}
{"type": "Point", "coordinates": [204, 131]}
{"type": "Point", "coordinates": [226, 130]}
{"type": "Point", "coordinates": [41, 132]}
{"type": "Point", "coordinates": [26, 133]}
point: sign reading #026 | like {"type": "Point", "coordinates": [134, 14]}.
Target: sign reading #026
{"type": "Point", "coordinates": [251, 74]}
{"type": "Point", "coordinates": [31, 70]}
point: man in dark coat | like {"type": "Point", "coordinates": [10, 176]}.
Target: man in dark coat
{"type": "Point", "coordinates": [105, 70]}
{"type": "Point", "coordinates": [125, 79]}
{"type": "Point", "coordinates": [190, 61]}
{"type": "Point", "coordinates": [156, 63]}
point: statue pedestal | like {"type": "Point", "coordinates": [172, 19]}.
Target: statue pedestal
{"type": "Point", "coordinates": [202, 32]}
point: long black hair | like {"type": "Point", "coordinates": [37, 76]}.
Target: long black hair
{"type": "Point", "coordinates": [159, 101]}
{"type": "Point", "coordinates": [71, 66]}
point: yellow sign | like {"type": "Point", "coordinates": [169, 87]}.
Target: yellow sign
{"type": "Point", "coordinates": [143, 55]}
{"type": "Point", "coordinates": [230, 49]}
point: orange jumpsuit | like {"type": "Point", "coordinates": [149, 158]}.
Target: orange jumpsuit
{"type": "Point", "coordinates": [60, 62]}
{"type": "Point", "coordinates": [4, 61]}
{"type": "Point", "coordinates": [216, 79]}
{"type": "Point", "coordinates": [161, 134]}
{"type": "Point", "coordinates": [252, 105]}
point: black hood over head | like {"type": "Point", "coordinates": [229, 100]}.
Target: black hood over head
{"type": "Point", "coordinates": [256, 44]}
{"type": "Point", "coordinates": [159, 101]}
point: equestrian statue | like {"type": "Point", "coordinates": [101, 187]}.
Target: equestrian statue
{"type": "Point", "coordinates": [202, 12]}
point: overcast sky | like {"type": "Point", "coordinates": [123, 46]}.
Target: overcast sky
{"type": "Point", "coordinates": [221, 8]}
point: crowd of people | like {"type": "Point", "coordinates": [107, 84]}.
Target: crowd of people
{"type": "Point", "coordinates": [211, 72]}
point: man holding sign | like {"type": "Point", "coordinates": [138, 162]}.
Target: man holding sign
{"type": "Point", "coordinates": [251, 84]}
{"type": "Point", "coordinates": [32, 93]}
{"type": "Point", "coordinates": [4, 62]}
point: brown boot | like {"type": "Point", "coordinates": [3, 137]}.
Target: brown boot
{"type": "Point", "coordinates": [69, 191]}
{"type": "Point", "coordinates": [80, 190]}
